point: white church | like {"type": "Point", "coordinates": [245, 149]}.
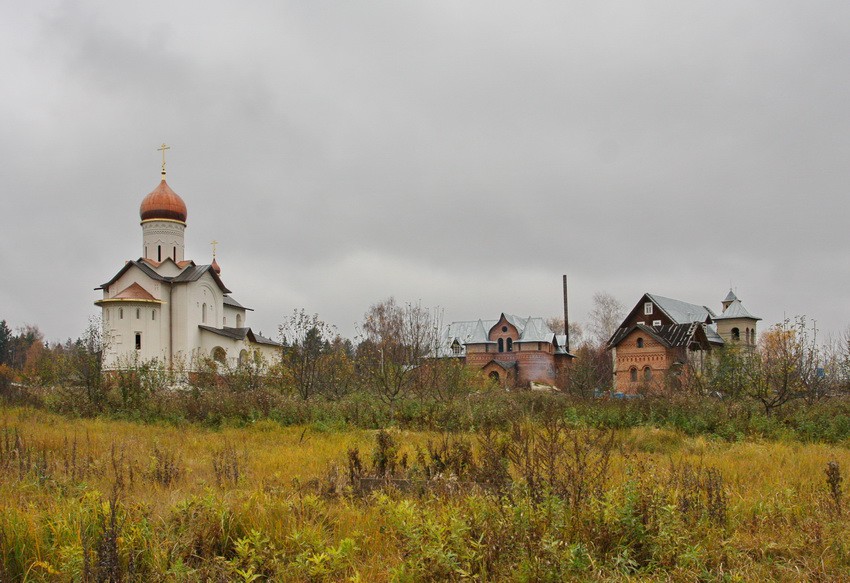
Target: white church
{"type": "Point", "coordinates": [165, 307]}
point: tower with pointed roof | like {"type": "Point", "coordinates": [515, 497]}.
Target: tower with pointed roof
{"type": "Point", "coordinates": [166, 308]}
{"type": "Point", "coordinates": [735, 324]}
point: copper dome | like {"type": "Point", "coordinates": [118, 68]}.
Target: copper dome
{"type": "Point", "coordinates": [163, 203]}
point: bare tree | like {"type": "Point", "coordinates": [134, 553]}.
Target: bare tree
{"type": "Point", "coordinates": [394, 341]}
{"type": "Point", "coordinates": [605, 317]}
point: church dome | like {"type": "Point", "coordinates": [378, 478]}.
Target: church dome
{"type": "Point", "coordinates": [163, 203]}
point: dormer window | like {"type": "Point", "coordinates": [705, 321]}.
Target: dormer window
{"type": "Point", "coordinates": [456, 348]}
{"type": "Point", "coordinates": [647, 309]}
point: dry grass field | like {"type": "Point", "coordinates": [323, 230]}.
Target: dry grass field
{"type": "Point", "coordinates": [101, 500]}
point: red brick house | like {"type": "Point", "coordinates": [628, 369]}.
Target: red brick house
{"type": "Point", "coordinates": [662, 338]}
{"type": "Point", "coordinates": [511, 350]}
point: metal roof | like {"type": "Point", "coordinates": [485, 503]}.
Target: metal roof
{"type": "Point", "coordinates": [730, 297]}
{"type": "Point", "coordinates": [671, 335]}
{"type": "Point", "coordinates": [229, 301]}
{"type": "Point", "coordinates": [736, 310]}
{"type": "Point", "coordinates": [191, 273]}
{"type": "Point", "coordinates": [239, 334]}
{"type": "Point", "coordinates": [682, 312]}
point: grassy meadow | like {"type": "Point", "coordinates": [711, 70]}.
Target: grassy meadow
{"type": "Point", "coordinates": [108, 500]}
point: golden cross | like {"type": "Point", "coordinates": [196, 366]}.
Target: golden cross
{"type": "Point", "coordinates": [213, 243]}
{"type": "Point", "coordinates": [162, 149]}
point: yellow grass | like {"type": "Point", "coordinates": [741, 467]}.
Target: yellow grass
{"type": "Point", "coordinates": [782, 523]}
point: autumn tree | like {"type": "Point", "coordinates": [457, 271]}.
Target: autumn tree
{"type": "Point", "coordinates": [788, 365]}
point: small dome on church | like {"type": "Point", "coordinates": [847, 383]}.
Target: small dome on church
{"type": "Point", "coordinates": [163, 203]}
{"type": "Point", "coordinates": [216, 267]}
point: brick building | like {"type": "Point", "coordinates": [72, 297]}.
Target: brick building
{"type": "Point", "coordinates": [511, 350]}
{"type": "Point", "coordinates": [661, 338]}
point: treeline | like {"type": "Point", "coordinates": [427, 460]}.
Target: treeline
{"type": "Point", "coordinates": [788, 386]}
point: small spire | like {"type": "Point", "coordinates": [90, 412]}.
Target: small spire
{"type": "Point", "coordinates": [162, 149]}
{"type": "Point", "coordinates": [214, 264]}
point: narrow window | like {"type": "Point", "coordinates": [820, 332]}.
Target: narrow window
{"type": "Point", "coordinates": [647, 374]}
{"type": "Point", "coordinates": [153, 314]}
{"type": "Point", "coordinates": [633, 374]}
{"type": "Point", "coordinates": [175, 255]}
{"type": "Point", "coordinates": [106, 315]}
{"type": "Point", "coordinates": [640, 342]}
{"type": "Point", "coordinates": [224, 320]}
{"type": "Point", "coordinates": [159, 252]}
{"type": "Point", "coordinates": [510, 345]}
{"type": "Point", "coordinates": [238, 320]}
{"type": "Point", "coordinates": [501, 344]}
{"type": "Point", "coordinates": [146, 250]}
{"type": "Point", "coordinates": [138, 340]}
{"type": "Point", "coordinates": [204, 314]}
{"type": "Point", "coordinates": [647, 308]}
{"type": "Point", "coordinates": [138, 313]}
{"type": "Point", "coordinates": [120, 313]}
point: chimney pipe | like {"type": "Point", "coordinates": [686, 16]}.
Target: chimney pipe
{"type": "Point", "coordinates": [566, 318]}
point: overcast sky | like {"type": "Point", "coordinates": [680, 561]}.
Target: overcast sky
{"type": "Point", "coordinates": [464, 154]}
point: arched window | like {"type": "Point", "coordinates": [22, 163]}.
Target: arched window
{"type": "Point", "coordinates": [747, 335]}
{"type": "Point", "coordinates": [647, 373]}
{"type": "Point", "coordinates": [153, 314]}
{"type": "Point", "coordinates": [640, 343]}
{"type": "Point", "coordinates": [175, 255]}
{"type": "Point", "coordinates": [159, 252]}
{"type": "Point", "coordinates": [501, 344]}
{"type": "Point", "coordinates": [494, 376]}
{"type": "Point", "coordinates": [138, 313]}
{"type": "Point", "coordinates": [204, 313]}
{"type": "Point", "coordinates": [219, 354]}
{"type": "Point", "coordinates": [238, 320]}
{"type": "Point", "coordinates": [510, 345]}
{"type": "Point", "coordinates": [243, 357]}
{"type": "Point", "coordinates": [736, 334]}
{"type": "Point", "coordinates": [633, 374]}
{"type": "Point", "coordinates": [456, 348]}
{"type": "Point", "coordinates": [120, 313]}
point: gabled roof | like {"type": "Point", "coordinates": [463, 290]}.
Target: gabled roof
{"type": "Point", "coordinates": [736, 310]}
{"type": "Point", "coordinates": [682, 312]}
{"type": "Point", "coordinates": [239, 334]}
{"type": "Point", "coordinates": [229, 301]}
{"type": "Point", "coordinates": [671, 336]}
{"type": "Point", "coordinates": [505, 365]}
{"type": "Point", "coordinates": [191, 273]}
{"type": "Point", "coordinates": [536, 330]}
{"type": "Point", "coordinates": [135, 292]}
